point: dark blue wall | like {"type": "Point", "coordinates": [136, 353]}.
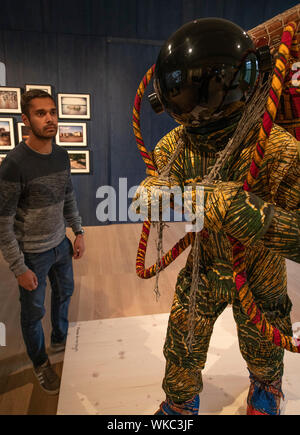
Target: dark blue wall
{"type": "Point", "coordinates": [104, 47]}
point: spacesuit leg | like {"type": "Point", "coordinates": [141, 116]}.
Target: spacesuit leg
{"type": "Point", "coordinates": [264, 360]}
{"type": "Point", "coordinates": [183, 380]}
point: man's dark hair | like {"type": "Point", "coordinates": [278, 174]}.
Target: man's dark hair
{"type": "Point", "coordinates": [30, 95]}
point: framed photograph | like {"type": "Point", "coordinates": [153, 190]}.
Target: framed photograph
{"type": "Point", "coordinates": [7, 137]}
{"type": "Point", "coordinates": [23, 131]}
{"type": "Point", "coordinates": [74, 106]}
{"type": "Point", "coordinates": [46, 88]}
{"type": "Point", "coordinates": [2, 157]}
{"type": "Point", "coordinates": [80, 162]}
{"type": "Point", "coordinates": [71, 134]}
{"type": "Point", "coordinates": [10, 100]}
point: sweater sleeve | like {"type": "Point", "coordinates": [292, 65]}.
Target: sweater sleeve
{"type": "Point", "coordinates": [10, 191]}
{"type": "Point", "coordinates": [71, 213]}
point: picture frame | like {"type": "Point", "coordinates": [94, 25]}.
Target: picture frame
{"type": "Point", "coordinates": [10, 100]}
{"type": "Point", "coordinates": [46, 88]}
{"type": "Point", "coordinates": [7, 137]}
{"type": "Point", "coordinates": [23, 131]}
{"type": "Point", "coordinates": [71, 134]}
{"type": "Point", "coordinates": [2, 157]}
{"type": "Point", "coordinates": [76, 106]}
{"type": "Point", "coordinates": [80, 161]}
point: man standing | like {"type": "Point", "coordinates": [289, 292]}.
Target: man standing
{"type": "Point", "coordinates": [36, 198]}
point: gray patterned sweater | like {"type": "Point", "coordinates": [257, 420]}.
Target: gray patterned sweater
{"type": "Point", "coordinates": [36, 201]}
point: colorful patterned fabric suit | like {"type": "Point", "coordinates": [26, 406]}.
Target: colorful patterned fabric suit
{"type": "Point", "coordinates": [265, 220]}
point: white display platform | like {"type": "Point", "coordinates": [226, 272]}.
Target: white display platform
{"type": "Point", "coordinates": [116, 366]}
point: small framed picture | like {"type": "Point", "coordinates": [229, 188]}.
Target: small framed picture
{"type": "Point", "coordinates": [80, 162]}
{"type": "Point", "coordinates": [74, 106]}
{"type": "Point", "coordinates": [71, 134]}
{"type": "Point", "coordinates": [7, 137]}
{"type": "Point", "coordinates": [2, 157]}
{"type": "Point", "coordinates": [10, 100]}
{"type": "Point", "coordinates": [23, 132]}
{"type": "Point", "coordinates": [46, 88]}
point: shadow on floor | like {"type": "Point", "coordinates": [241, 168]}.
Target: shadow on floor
{"type": "Point", "coordinates": [21, 394]}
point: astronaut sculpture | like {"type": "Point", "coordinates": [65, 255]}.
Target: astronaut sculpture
{"type": "Point", "coordinates": [211, 79]}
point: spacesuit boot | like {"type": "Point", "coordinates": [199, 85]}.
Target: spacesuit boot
{"type": "Point", "coordinates": [190, 407]}
{"type": "Point", "coordinates": [264, 398]}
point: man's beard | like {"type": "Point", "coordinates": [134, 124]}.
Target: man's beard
{"type": "Point", "coordinates": [40, 134]}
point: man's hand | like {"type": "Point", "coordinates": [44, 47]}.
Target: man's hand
{"type": "Point", "coordinates": [28, 280]}
{"type": "Point", "coordinates": [79, 247]}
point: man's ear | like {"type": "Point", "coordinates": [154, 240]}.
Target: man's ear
{"type": "Point", "coordinates": [25, 120]}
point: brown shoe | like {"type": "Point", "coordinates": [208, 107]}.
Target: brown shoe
{"type": "Point", "coordinates": [48, 379]}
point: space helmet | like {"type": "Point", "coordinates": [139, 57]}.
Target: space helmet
{"type": "Point", "coordinates": [206, 71]}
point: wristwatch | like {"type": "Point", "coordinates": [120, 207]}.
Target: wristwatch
{"type": "Point", "coordinates": [77, 233]}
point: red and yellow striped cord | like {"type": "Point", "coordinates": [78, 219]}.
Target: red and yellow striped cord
{"type": "Point", "coordinates": [183, 243]}
{"type": "Point", "coordinates": [151, 170]}
{"type": "Point", "coordinates": [239, 269]}
{"type": "Point", "coordinates": [167, 259]}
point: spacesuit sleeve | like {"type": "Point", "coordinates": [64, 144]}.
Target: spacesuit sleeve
{"type": "Point", "coordinates": [155, 192]}
{"type": "Point", "coordinates": [283, 235]}
{"type": "Point", "coordinates": [276, 225]}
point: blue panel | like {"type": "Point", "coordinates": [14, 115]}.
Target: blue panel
{"type": "Point", "coordinates": [127, 65]}
{"type": "Point", "coordinates": [242, 12]}
{"type": "Point", "coordinates": [82, 69]}
{"type": "Point", "coordinates": [22, 15]}
{"type": "Point", "coordinates": [158, 19]}
{"type": "Point", "coordinates": [30, 57]}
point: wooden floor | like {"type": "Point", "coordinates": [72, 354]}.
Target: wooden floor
{"type": "Point", "coordinates": [106, 286]}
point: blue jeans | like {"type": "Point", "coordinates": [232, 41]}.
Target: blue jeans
{"type": "Point", "coordinates": [57, 265]}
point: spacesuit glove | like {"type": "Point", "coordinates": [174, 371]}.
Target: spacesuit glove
{"type": "Point", "coordinates": [217, 199]}
{"type": "Point", "coordinates": [248, 218]}
{"type": "Point", "coordinates": [153, 196]}
{"type": "Point", "coordinates": [241, 214]}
